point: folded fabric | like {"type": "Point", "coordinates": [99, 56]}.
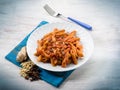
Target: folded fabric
{"type": "Point", "coordinates": [53, 78]}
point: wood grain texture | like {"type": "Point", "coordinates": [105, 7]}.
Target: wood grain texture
{"type": "Point", "coordinates": [101, 72]}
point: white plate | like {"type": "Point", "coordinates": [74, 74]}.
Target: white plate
{"type": "Point", "coordinates": [85, 39]}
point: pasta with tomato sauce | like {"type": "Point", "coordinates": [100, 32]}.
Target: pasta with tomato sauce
{"type": "Point", "coordinates": [59, 48]}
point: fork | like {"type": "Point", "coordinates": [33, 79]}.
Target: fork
{"type": "Point", "coordinates": [55, 14]}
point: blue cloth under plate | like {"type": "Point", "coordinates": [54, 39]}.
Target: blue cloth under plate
{"type": "Point", "coordinates": [53, 78]}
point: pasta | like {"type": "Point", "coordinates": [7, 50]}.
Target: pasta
{"type": "Point", "coordinates": [59, 48]}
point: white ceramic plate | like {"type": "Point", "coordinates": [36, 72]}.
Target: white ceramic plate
{"type": "Point", "coordinates": [85, 39]}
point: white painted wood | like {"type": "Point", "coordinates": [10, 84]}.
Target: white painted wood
{"type": "Point", "coordinates": [101, 72]}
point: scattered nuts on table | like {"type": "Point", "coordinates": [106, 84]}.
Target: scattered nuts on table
{"type": "Point", "coordinates": [30, 71]}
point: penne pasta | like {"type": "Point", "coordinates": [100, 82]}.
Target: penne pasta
{"type": "Point", "coordinates": [59, 48]}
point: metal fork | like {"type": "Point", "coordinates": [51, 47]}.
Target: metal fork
{"type": "Point", "coordinates": [55, 14]}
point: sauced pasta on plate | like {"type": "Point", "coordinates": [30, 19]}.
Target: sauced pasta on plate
{"type": "Point", "coordinates": [59, 48]}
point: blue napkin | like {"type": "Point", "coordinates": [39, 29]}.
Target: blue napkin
{"type": "Point", "coordinates": [53, 78]}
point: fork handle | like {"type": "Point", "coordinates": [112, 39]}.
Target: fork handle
{"type": "Point", "coordinates": [80, 23]}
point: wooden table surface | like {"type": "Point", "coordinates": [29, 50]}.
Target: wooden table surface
{"type": "Point", "coordinates": [101, 72]}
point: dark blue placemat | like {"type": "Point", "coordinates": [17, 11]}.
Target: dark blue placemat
{"type": "Point", "coordinates": [53, 78]}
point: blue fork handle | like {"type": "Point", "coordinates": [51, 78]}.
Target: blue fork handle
{"type": "Point", "coordinates": [80, 23]}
